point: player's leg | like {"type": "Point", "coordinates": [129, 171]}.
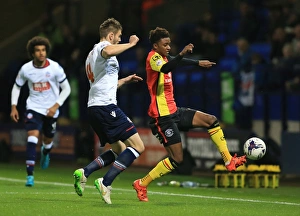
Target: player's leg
{"type": "Point", "coordinates": [103, 160]}
{"type": "Point", "coordinates": [215, 131]}
{"type": "Point", "coordinates": [133, 150]}
{"type": "Point", "coordinates": [162, 168]}
{"type": "Point", "coordinates": [33, 124]}
{"type": "Point", "coordinates": [119, 127]}
{"type": "Point", "coordinates": [32, 141]}
{"type": "Point", "coordinates": [49, 129]}
{"type": "Point", "coordinates": [45, 150]}
{"type": "Point", "coordinates": [168, 134]}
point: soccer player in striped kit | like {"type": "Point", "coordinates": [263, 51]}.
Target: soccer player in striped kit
{"type": "Point", "coordinates": [44, 77]}
{"type": "Point", "coordinates": [167, 120]}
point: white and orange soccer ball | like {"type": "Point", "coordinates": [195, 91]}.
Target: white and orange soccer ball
{"type": "Point", "coordinates": [255, 148]}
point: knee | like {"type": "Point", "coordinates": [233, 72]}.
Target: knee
{"type": "Point", "coordinates": [178, 159]}
{"type": "Point", "coordinates": [212, 122]}
{"type": "Point", "coordinates": [212, 119]}
{"type": "Point", "coordinates": [47, 140]}
{"type": "Point", "coordinates": [140, 147]}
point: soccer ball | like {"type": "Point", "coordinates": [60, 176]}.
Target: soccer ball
{"type": "Point", "coordinates": [255, 148]}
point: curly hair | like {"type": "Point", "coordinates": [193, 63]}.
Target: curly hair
{"type": "Point", "coordinates": [109, 25]}
{"type": "Point", "coordinates": [158, 33]}
{"type": "Point", "coordinates": [37, 41]}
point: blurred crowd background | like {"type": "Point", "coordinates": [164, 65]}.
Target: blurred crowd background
{"type": "Point", "coordinates": [255, 85]}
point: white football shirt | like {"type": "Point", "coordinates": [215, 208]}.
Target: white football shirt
{"type": "Point", "coordinates": [103, 77]}
{"type": "Point", "coordinates": [43, 84]}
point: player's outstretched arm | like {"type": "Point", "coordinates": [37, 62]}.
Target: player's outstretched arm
{"type": "Point", "coordinates": [129, 79]}
{"type": "Point", "coordinates": [206, 63]}
{"type": "Point", "coordinates": [187, 49]}
{"type": "Point", "coordinates": [179, 60]}
{"type": "Point", "coordinates": [116, 49]}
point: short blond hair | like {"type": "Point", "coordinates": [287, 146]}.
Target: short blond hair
{"type": "Point", "coordinates": [109, 25]}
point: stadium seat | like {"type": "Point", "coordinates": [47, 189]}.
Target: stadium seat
{"type": "Point", "coordinates": [212, 92]}
{"type": "Point", "coordinates": [128, 66]}
{"type": "Point", "coordinates": [264, 49]}
{"type": "Point", "coordinates": [223, 178]}
{"type": "Point", "coordinates": [196, 89]}
{"type": "Point", "coordinates": [213, 78]}
{"type": "Point", "coordinates": [181, 100]}
{"type": "Point", "coordinates": [231, 50]}
{"type": "Point", "coordinates": [227, 64]}
{"type": "Point", "coordinates": [293, 107]}
{"type": "Point", "coordinates": [180, 79]}
{"type": "Point", "coordinates": [266, 176]}
{"type": "Point", "coordinates": [196, 77]}
{"type": "Point", "coordinates": [275, 104]}
{"type": "Point", "coordinates": [258, 108]}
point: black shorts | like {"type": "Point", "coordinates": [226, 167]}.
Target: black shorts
{"type": "Point", "coordinates": [37, 121]}
{"type": "Point", "coordinates": [167, 128]}
{"type": "Point", "coordinates": [110, 123]}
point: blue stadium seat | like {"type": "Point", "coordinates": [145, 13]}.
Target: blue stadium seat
{"type": "Point", "coordinates": [263, 49]}
{"type": "Point", "coordinates": [128, 66]}
{"type": "Point", "coordinates": [258, 108]}
{"type": "Point", "coordinates": [293, 107]}
{"type": "Point", "coordinates": [275, 111]}
{"type": "Point", "coordinates": [195, 89]}
{"type": "Point", "coordinates": [212, 92]}
{"type": "Point", "coordinates": [196, 102]}
{"type": "Point", "coordinates": [129, 55]}
{"type": "Point", "coordinates": [231, 50]}
{"type": "Point", "coordinates": [213, 79]}
{"type": "Point", "coordinates": [196, 77]}
{"type": "Point", "coordinates": [196, 83]}
{"type": "Point", "coordinates": [180, 78]}
{"type": "Point", "coordinates": [227, 64]}
{"type": "Point", "coordinates": [181, 100]}
{"type": "Point", "coordinates": [180, 81]}
{"type": "Point", "coordinates": [213, 106]}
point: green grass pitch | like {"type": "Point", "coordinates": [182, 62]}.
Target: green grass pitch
{"type": "Point", "coordinates": [53, 194]}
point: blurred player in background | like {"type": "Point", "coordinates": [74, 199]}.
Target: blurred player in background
{"type": "Point", "coordinates": [107, 120]}
{"type": "Point", "coordinates": [45, 77]}
{"type": "Point", "coordinates": [167, 120]}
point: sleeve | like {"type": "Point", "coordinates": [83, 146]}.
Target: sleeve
{"type": "Point", "coordinates": [60, 75]}
{"type": "Point", "coordinates": [101, 47]}
{"type": "Point", "coordinates": [65, 92]}
{"type": "Point", "coordinates": [157, 62]}
{"type": "Point", "coordinates": [171, 64]}
{"type": "Point", "coordinates": [15, 93]}
{"type": "Point", "coordinates": [185, 61]}
{"type": "Point", "coordinates": [20, 79]}
{"type": "Point", "coordinates": [64, 85]}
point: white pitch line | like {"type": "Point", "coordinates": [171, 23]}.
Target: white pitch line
{"type": "Point", "coordinates": [150, 192]}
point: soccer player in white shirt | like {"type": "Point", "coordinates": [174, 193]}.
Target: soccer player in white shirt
{"type": "Point", "coordinates": [107, 120]}
{"type": "Point", "coordinates": [44, 77]}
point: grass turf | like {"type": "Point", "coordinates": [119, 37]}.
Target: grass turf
{"type": "Point", "coordinates": [53, 194]}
